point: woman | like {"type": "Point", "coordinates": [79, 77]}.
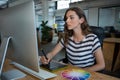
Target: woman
{"type": "Point", "coordinates": [83, 48]}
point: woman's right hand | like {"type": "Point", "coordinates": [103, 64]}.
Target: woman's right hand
{"type": "Point", "coordinates": [44, 60]}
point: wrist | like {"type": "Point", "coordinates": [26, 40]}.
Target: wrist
{"type": "Point", "coordinates": [50, 56]}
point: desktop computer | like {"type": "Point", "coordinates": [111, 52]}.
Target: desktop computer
{"type": "Point", "coordinates": [18, 22]}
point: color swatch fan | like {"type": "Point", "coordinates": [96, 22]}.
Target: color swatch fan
{"type": "Point", "coordinates": [76, 74]}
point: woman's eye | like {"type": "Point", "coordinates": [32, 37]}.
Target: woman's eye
{"type": "Point", "coordinates": [71, 17]}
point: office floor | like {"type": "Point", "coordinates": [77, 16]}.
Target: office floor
{"type": "Point", "coordinates": [48, 47]}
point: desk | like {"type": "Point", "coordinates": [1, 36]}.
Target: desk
{"type": "Point", "coordinates": [94, 75]}
{"type": "Point", "coordinates": [111, 52]}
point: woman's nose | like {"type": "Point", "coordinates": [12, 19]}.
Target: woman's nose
{"type": "Point", "coordinates": [67, 20]}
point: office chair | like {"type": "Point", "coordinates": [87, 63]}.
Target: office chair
{"type": "Point", "coordinates": [99, 31]}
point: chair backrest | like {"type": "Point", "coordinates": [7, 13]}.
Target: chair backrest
{"type": "Point", "coordinates": [99, 31]}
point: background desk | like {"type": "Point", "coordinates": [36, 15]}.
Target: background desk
{"type": "Point", "coordinates": [111, 52]}
{"type": "Point", "coordinates": [94, 75]}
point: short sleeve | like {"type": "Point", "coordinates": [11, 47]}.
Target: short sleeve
{"type": "Point", "coordinates": [96, 43]}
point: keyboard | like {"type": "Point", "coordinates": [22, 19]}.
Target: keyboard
{"type": "Point", "coordinates": [53, 65]}
{"type": "Point", "coordinates": [42, 74]}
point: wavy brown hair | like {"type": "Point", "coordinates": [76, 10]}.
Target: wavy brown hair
{"type": "Point", "coordinates": [84, 26]}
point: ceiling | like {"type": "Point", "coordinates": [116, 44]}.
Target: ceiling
{"type": "Point", "coordinates": [3, 3]}
{"type": "Point", "coordinates": [38, 4]}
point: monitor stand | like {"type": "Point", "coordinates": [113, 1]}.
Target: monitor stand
{"type": "Point", "coordinates": [11, 74]}
{"type": "Point", "coordinates": [16, 74]}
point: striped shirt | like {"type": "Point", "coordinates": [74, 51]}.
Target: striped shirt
{"type": "Point", "coordinates": [81, 54]}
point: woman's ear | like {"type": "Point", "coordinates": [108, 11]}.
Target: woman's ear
{"type": "Point", "coordinates": [82, 20]}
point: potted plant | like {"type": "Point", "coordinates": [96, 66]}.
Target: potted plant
{"type": "Point", "coordinates": [46, 32]}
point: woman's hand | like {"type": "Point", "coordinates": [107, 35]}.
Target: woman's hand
{"type": "Point", "coordinates": [44, 60]}
{"type": "Point", "coordinates": [51, 54]}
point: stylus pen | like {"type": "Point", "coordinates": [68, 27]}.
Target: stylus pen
{"type": "Point", "coordinates": [44, 54]}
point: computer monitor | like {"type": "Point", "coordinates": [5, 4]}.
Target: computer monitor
{"type": "Point", "coordinates": [18, 22]}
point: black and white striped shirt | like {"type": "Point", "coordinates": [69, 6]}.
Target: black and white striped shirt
{"type": "Point", "coordinates": [81, 54]}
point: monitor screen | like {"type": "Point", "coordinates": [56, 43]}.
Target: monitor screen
{"type": "Point", "coordinates": [18, 22]}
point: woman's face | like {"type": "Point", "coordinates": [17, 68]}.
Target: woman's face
{"type": "Point", "coordinates": [72, 21]}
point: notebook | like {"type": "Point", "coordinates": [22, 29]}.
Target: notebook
{"type": "Point", "coordinates": [53, 65]}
